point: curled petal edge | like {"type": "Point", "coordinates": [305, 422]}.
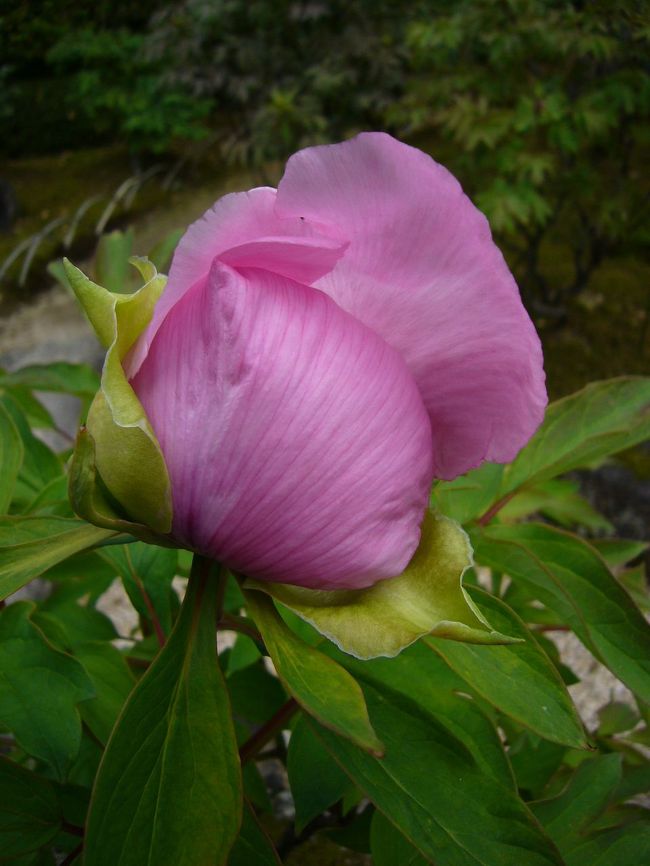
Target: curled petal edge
{"type": "Point", "coordinates": [428, 598]}
{"type": "Point", "coordinates": [127, 455]}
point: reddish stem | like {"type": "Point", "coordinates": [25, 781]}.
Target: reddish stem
{"type": "Point", "coordinates": [228, 622]}
{"type": "Point", "coordinates": [495, 509]}
{"type": "Point", "coordinates": [268, 731]}
{"type": "Point", "coordinates": [153, 616]}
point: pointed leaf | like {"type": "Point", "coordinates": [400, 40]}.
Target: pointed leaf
{"type": "Point", "coordinates": [586, 795]}
{"type": "Point", "coordinates": [252, 847]}
{"type": "Point", "coordinates": [424, 678]}
{"type": "Point", "coordinates": [603, 418]}
{"type": "Point", "coordinates": [568, 575]}
{"type": "Point", "coordinates": [539, 700]}
{"type": "Point", "coordinates": [31, 545]}
{"type": "Point", "coordinates": [321, 686]}
{"type": "Point", "coordinates": [168, 790]}
{"type": "Point", "coordinates": [435, 792]}
{"type": "Point", "coordinates": [40, 688]}
{"type": "Point", "coordinates": [317, 782]}
{"type": "Point", "coordinates": [428, 598]}
{"type": "Point", "coordinates": [623, 846]}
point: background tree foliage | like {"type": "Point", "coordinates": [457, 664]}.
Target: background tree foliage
{"type": "Point", "coordinates": [541, 107]}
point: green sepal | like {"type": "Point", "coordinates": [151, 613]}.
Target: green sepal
{"type": "Point", "coordinates": [90, 500]}
{"type": "Point", "coordinates": [382, 620]}
{"type": "Point", "coordinates": [127, 454]}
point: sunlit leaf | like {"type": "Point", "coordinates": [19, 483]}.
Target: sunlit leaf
{"type": "Point", "coordinates": [321, 686]}
{"type": "Point", "coordinates": [518, 679]}
{"type": "Point", "coordinates": [602, 419]}
{"type": "Point", "coordinates": [568, 576]}
{"type": "Point", "coordinates": [31, 545]}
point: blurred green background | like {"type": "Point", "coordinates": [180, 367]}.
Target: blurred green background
{"type": "Point", "coordinates": [120, 114]}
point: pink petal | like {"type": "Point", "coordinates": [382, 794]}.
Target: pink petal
{"type": "Point", "coordinates": [297, 443]}
{"type": "Point", "coordinates": [243, 230]}
{"type": "Point", "coordinates": [423, 272]}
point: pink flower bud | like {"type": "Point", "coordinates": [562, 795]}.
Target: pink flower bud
{"type": "Point", "coordinates": [322, 352]}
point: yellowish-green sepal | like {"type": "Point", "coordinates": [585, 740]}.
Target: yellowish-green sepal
{"type": "Point", "coordinates": [127, 454]}
{"type": "Point", "coordinates": [427, 598]}
{"type": "Point", "coordinates": [90, 500]}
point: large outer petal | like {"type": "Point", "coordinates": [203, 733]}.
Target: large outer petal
{"type": "Point", "coordinates": [296, 440]}
{"type": "Point", "coordinates": [243, 228]}
{"type": "Point", "coordinates": [422, 271]}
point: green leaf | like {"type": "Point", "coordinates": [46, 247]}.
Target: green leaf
{"type": "Point", "coordinates": [256, 694]}
{"type": "Point", "coordinates": [615, 718]}
{"type": "Point", "coordinates": [31, 545]}
{"type": "Point", "coordinates": [559, 500]}
{"type": "Point", "coordinates": [113, 682]}
{"type": "Point", "coordinates": [30, 816]}
{"type": "Point", "coordinates": [427, 598]}
{"type": "Point", "coordinates": [147, 572]}
{"type": "Point", "coordinates": [128, 456]}
{"type": "Point", "coordinates": [59, 376]}
{"type": "Point", "coordinates": [69, 623]}
{"type": "Point", "coordinates": [601, 419]}
{"type": "Point", "coordinates": [619, 551]}
{"type": "Point", "coordinates": [40, 465]}
{"type": "Point", "coordinates": [468, 496]}
{"type": "Point", "coordinates": [317, 782]}
{"type": "Point", "coordinates": [624, 846]}
{"type": "Point", "coordinates": [161, 254]}
{"type": "Point", "coordinates": [322, 687]}
{"type": "Point", "coordinates": [252, 847]}
{"type": "Point", "coordinates": [11, 458]}
{"type": "Point", "coordinates": [244, 652]}
{"type": "Point", "coordinates": [40, 688]}
{"type": "Point", "coordinates": [112, 260]}
{"type": "Point", "coordinates": [586, 795]}
{"type": "Point", "coordinates": [52, 499]}
{"type": "Point", "coordinates": [519, 680]}
{"type": "Point", "coordinates": [635, 781]}
{"type": "Point", "coordinates": [424, 678]}
{"type": "Point", "coordinates": [35, 413]}
{"type": "Point", "coordinates": [168, 789]}
{"type": "Point", "coordinates": [435, 792]}
{"type": "Point", "coordinates": [389, 847]}
{"type": "Point", "coordinates": [570, 578]}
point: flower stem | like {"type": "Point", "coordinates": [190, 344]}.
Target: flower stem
{"type": "Point", "coordinates": [151, 610]}
{"type": "Point", "coordinates": [230, 622]}
{"type": "Point", "coordinates": [496, 508]}
{"type": "Point", "coordinates": [268, 731]}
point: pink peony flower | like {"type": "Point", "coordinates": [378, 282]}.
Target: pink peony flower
{"type": "Point", "coordinates": [322, 352]}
